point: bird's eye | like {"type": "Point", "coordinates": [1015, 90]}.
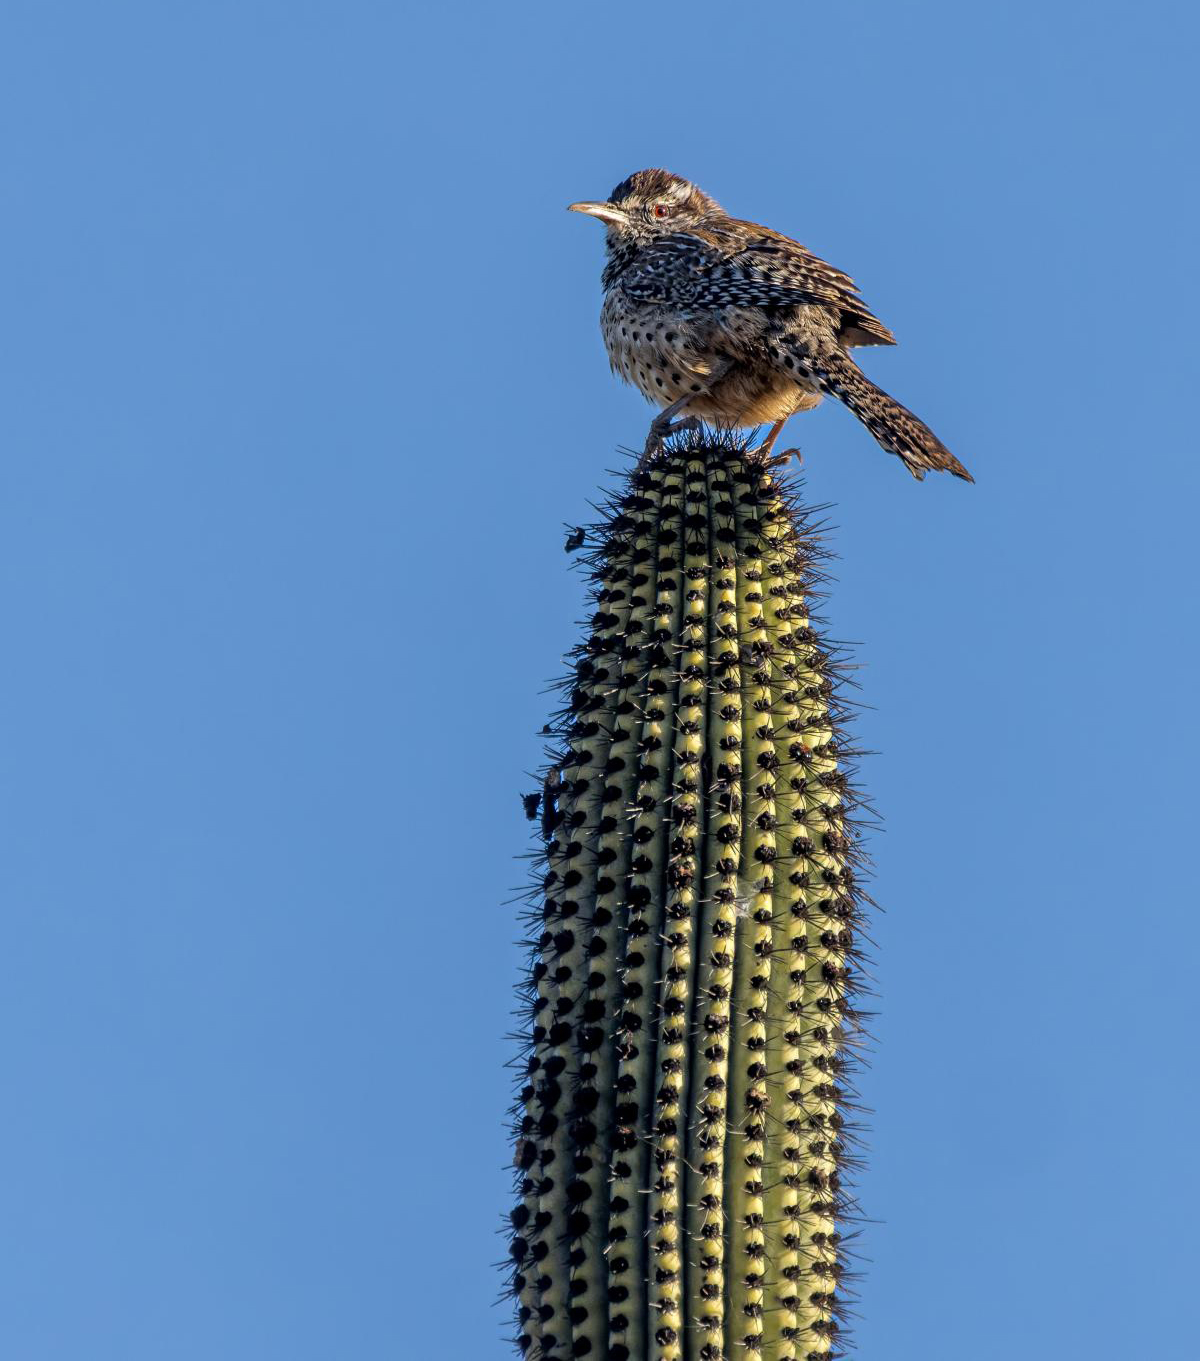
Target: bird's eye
{"type": "Point", "coordinates": [662, 210]}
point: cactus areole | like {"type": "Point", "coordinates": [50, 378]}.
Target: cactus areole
{"type": "Point", "coordinates": [680, 1129]}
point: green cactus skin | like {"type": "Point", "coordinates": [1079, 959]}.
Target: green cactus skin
{"type": "Point", "coordinates": [680, 1130]}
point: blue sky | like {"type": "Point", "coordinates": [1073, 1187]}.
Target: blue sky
{"type": "Point", "coordinates": [301, 379]}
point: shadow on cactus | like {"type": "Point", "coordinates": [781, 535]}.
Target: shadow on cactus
{"type": "Point", "coordinates": [681, 1129]}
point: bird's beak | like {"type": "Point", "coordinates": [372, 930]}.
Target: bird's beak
{"type": "Point", "coordinates": [608, 213]}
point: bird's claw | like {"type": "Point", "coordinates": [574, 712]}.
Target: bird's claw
{"type": "Point", "coordinates": [661, 431]}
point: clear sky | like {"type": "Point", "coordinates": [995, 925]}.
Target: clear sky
{"type": "Point", "coordinates": [301, 378]}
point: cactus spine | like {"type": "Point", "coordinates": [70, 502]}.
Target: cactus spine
{"type": "Point", "coordinates": [679, 1128]}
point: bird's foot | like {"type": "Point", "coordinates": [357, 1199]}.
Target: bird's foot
{"type": "Point", "coordinates": [763, 451]}
{"type": "Point", "coordinates": [792, 453]}
{"type": "Point", "coordinates": [661, 429]}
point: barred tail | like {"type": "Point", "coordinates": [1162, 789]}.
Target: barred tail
{"type": "Point", "coordinates": [895, 427]}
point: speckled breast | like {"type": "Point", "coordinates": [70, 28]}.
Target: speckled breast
{"type": "Point", "coordinates": [656, 348]}
{"type": "Point", "coordinates": [719, 362]}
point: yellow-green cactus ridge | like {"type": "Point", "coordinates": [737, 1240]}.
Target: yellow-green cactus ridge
{"type": "Point", "coordinates": [681, 1129]}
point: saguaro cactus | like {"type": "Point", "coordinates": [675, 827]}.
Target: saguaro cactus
{"type": "Point", "coordinates": [680, 1129]}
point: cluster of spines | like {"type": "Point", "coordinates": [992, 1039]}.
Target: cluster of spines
{"type": "Point", "coordinates": [680, 1126]}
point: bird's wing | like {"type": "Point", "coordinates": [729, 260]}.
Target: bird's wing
{"type": "Point", "coordinates": [762, 268]}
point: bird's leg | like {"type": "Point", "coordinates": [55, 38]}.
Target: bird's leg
{"type": "Point", "coordinates": [661, 426]}
{"type": "Point", "coordinates": [664, 424]}
{"type": "Point", "coordinates": [764, 449]}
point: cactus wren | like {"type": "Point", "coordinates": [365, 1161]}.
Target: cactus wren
{"type": "Point", "coordinates": [712, 316]}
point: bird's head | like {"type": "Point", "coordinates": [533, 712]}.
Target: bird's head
{"type": "Point", "coordinates": [648, 204]}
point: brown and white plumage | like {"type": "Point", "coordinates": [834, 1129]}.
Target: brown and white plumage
{"type": "Point", "coordinates": [713, 316]}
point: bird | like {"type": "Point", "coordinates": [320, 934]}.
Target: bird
{"type": "Point", "coordinates": [712, 316]}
